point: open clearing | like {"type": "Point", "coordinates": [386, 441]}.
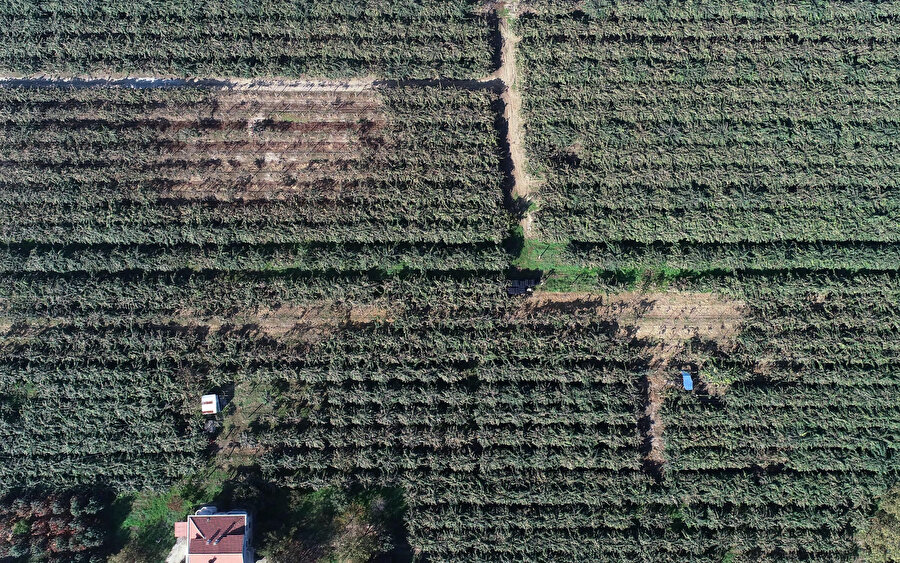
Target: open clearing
{"type": "Point", "coordinates": [664, 318]}
{"type": "Point", "coordinates": [304, 323]}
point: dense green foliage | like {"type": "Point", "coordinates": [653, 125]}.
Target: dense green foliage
{"type": "Point", "coordinates": [252, 38]}
{"type": "Point", "coordinates": [746, 149]}
{"type": "Point", "coordinates": [332, 524]}
{"type": "Point", "coordinates": [108, 340]}
{"type": "Point", "coordinates": [63, 527]}
{"type": "Point", "coordinates": [808, 420]}
{"type": "Point", "coordinates": [499, 423]}
{"type": "Point", "coordinates": [496, 420]}
{"type": "Point", "coordinates": [188, 167]}
{"type": "Point", "coordinates": [712, 123]}
{"type": "Point", "coordinates": [344, 256]}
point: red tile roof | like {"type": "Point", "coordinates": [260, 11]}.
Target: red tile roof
{"type": "Point", "coordinates": [225, 532]}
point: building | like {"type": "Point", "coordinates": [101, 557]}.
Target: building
{"type": "Point", "coordinates": [216, 537]}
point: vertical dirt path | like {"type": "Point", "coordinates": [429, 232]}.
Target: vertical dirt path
{"type": "Point", "coordinates": [512, 97]}
{"type": "Point", "coordinates": [656, 382]}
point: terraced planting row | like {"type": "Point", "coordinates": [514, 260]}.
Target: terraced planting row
{"type": "Point", "coordinates": [742, 151]}
{"type": "Point", "coordinates": [210, 179]}
{"type": "Point", "coordinates": [711, 124]}
{"type": "Point", "coordinates": [149, 232]}
{"type": "Point", "coordinates": [713, 186]}
{"type": "Point", "coordinates": [330, 38]}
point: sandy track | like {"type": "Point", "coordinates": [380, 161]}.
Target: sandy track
{"type": "Point", "coordinates": [667, 317]}
{"type": "Point", "coordinates": [306, 323]}
{"type": "Point", "coordinates": [249, 84]}
{"type": "Point", "coordinates": [508, 74]}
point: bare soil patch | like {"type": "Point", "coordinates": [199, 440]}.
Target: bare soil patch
{"type": "Point", "coordinates": [245, 145]}
{"type": "Point", "coordinates": [126, 80]}
{"type": "Point", "coordinates": [512, 98]}
{"type": "Point", "coordinates": [310, 322]}
{"type": "Point", "coordinates": [508, 74]}
{"type": "Point", "coordinates": [656, 384]}
{"type": "Point", "coordinates": [670, 318]}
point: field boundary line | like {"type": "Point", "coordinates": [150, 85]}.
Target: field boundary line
{"type": "Point", "coordinates": [492, 83]}
{"type": "Point", "coordinates": [504, 82]}
{"type": "Point", "coordinates": [162, 82]}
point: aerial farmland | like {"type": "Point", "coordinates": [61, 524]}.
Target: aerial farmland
{"type": "Point", "coordinates": [449, 280]}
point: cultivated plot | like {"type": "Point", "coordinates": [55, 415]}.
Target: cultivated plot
{"type": "Point", "coordinates": [745, 152]}
{"type": "Point", "coordinates": [148, 227]}
{"type": "Point", "coordinates": [331, 38]}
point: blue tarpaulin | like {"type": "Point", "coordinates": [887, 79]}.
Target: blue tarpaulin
{"type": "Point", "coordinates": [688, 382]}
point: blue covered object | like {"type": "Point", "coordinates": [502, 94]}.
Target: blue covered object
{"type": "Point", "coordinates": [688, 382]}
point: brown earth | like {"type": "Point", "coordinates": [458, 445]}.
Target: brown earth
{"type": "Point", "coordinates": [250, 145]}
{"type": "Point", "coordinates": [656, 384]}
{"type": "Point", "coordinates": [668, 318]}
{"type": "Point", "coordinates": [275, 84]}
{"type": "Point", "coordinates": [5, 323]}
{"type": "Point", "coordinates": [307, 323]}
{"type": "Point", "coordinates": [508, 73]}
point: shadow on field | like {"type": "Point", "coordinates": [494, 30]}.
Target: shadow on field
{"type": "Point", "coordinates": [302, 525]}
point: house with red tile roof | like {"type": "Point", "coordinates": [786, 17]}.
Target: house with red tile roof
{"type": "Point", "coordinates": [216, 537]}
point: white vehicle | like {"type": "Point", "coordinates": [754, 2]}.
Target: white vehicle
{"type": "Point", "coordinates": [209, 404]}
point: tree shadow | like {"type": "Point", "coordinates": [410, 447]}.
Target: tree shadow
{"type": "Point", "coordinates": [295, 525]}
{"type": "Point", "coordinates": [115, 518]}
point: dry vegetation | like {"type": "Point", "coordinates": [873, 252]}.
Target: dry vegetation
{"type": "Point", "coordinates": [309, 322]}
{"type": "Point", "coordinates": [273, 145]}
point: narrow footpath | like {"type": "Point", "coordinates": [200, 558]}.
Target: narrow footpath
{"type": "Point", "coordinates": [508, 74]}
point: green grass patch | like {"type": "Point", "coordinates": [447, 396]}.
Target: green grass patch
{"type": "Point", "coordinates": [560, 273]}
{"type": "Point", "coordinates": [880, 540]}
{"type": "Point", "coordinates": [542, 255]}
{"type": "Point", "coordinates": [21, 528]}
{"type": "Point", "coordinates": [557, 272]}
